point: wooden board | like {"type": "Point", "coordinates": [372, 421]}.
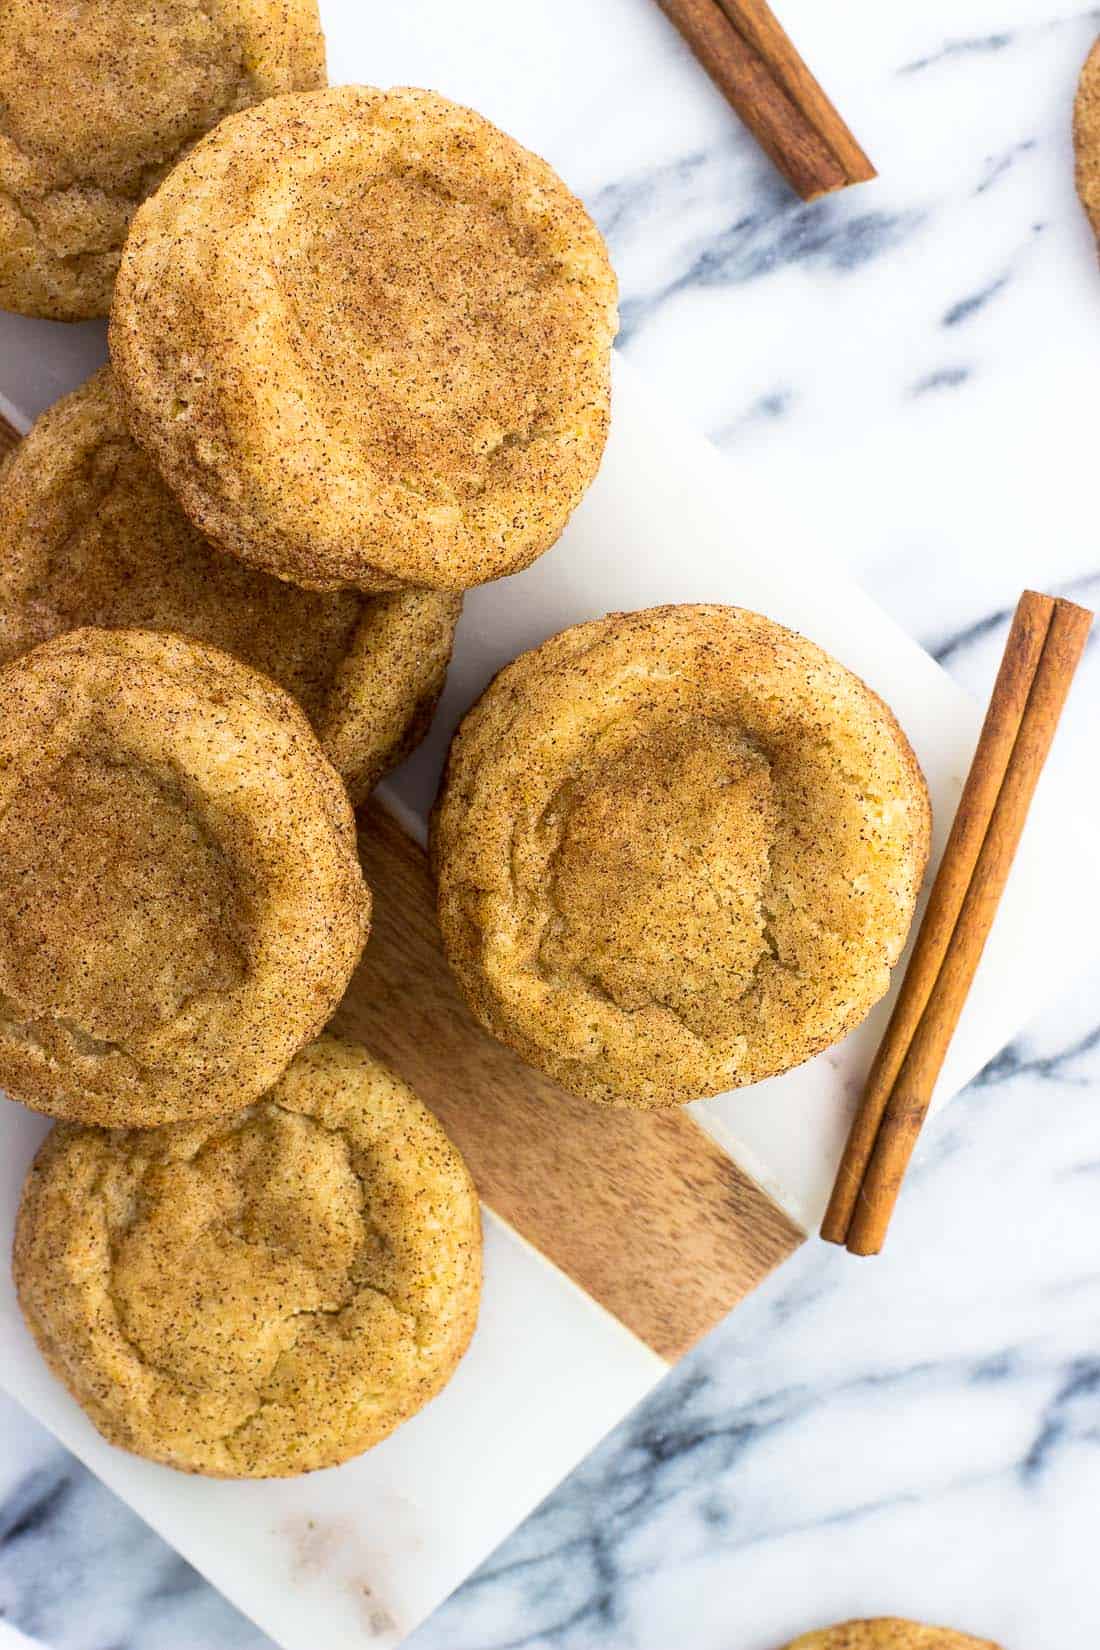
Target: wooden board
{"type": "Point", "coordinates": [641, 1209]}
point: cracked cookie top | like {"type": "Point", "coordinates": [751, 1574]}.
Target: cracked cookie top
{"type": "Point", "coordinates": [181, 904]}
{"type": "Point", "coordinates": [888, 1633]}
{"type": "Point", "coordinates": [261, 1295]}
{"type": "Point", "coordinates": [90, 535]}
{"type": "Point", "coordinates": [97, 103]}
{"type": "Point", "coordinates": [677, 851]}
{"type": "Point", "coordinates": [366, 338]}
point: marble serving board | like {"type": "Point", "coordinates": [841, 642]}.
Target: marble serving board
{"type": "Point", "coordinates": [360, 1554]}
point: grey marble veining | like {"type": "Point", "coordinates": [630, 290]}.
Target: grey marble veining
{"type": "Point", "coordinates": [78, 1569]}
{"type": "Point", "coordinates": [919, 1434]}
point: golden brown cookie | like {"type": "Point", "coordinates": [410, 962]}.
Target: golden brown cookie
{"type": "Point", "coordinates": [98, 100]}
{"type": "Point", "coordinates": [888, 1633]}
{"type": "Point", "coordinates": [678, 851]}
{"type": "Point", "coordinates": [1086, 137]}
{"type": "Point", "coordinates": [263, 1294]}
{"type": "Point", "coordinates": [366, 338]}
{"type": "Point", "coordinates": [181, 905]}
{"type": "Point", "coordinates": [89, 535]}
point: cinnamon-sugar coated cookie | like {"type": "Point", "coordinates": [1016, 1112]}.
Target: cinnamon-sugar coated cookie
{"type": "Point", "coordinates": [1086, 137]}
{"type": "Point", "coordinates": [98, 100]}
{"type": "Point", "coordinates": [181, 903]}
{"type": "Point", "coordinates": [888, 1633]}
{"type": "Point", "coordinates": [261, 1295]}
{"type": "Point", "coordinates": [89, 535]}
{"type": "Point", "coordinates": [366, 338]}
{"type": "Point", "coordinates": [677, 851]}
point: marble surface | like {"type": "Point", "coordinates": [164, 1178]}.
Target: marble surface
{"type": "Point", "coordinates": [912, 365]}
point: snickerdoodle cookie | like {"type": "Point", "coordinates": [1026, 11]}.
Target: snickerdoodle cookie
{"type": "Point", "coordinates": [1086, 137]}
{"type": "Point", "coordinates": [89, 535]}
{"type": "Point", "coordinates": [181, 905]}
{"type": "Point", "coordinates": [366, 338]}
{"type": "Point", "coordinates": [263, 1294]}
{"type": "Point", "coordinates": [888, 1633]}
{"type": "Point", "coordinates": [97, 102]}
{"type": "Point", "coordinates": [677, 851]}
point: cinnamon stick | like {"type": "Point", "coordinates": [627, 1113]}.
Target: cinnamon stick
{"type": "Point", "coordinates": [923, 1052]}
{"type": "Point", "coordinates": [752, 61]}
{"type": "Point", "coordinates": [960, 855]}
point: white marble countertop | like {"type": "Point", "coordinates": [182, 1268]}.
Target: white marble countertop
{"type": "Point", "coordinates": [916, 362]}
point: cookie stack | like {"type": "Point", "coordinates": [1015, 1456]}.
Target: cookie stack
{"type": "Point", "coordinates": [360, 354]}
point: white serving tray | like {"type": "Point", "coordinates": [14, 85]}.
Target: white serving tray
{"type": "Point", "coordinates": [370, 1548]}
